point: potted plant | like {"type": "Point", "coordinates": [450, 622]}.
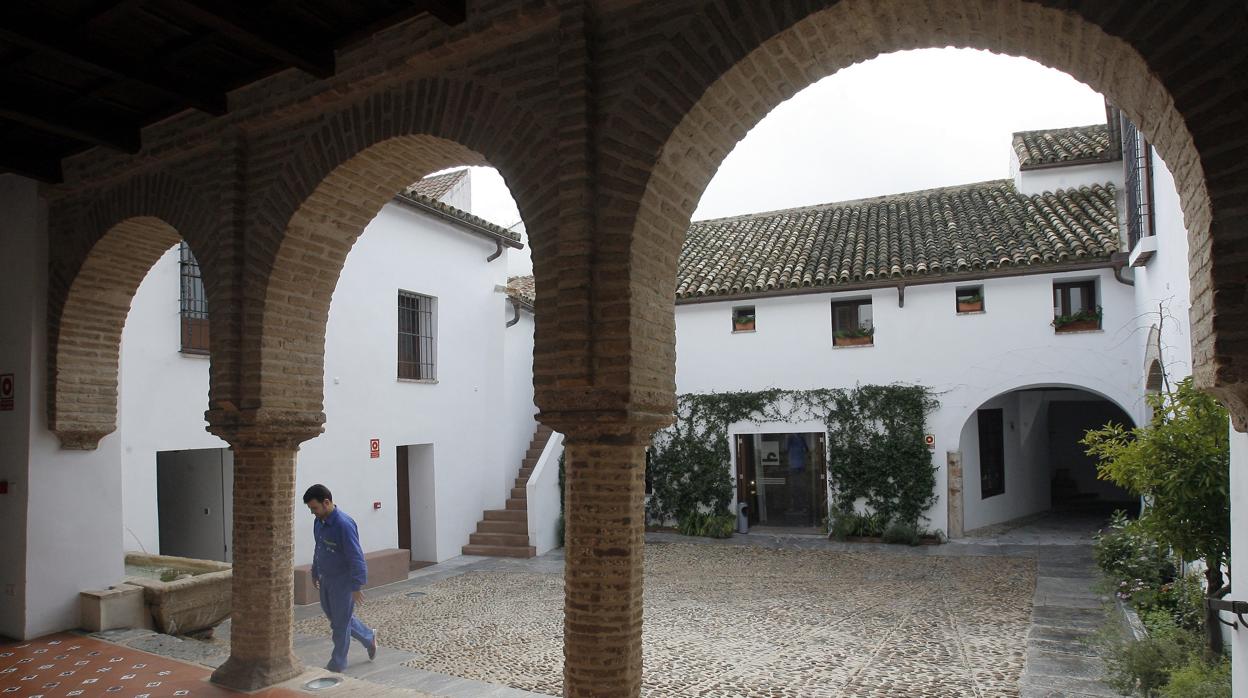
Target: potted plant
{"type": "Point", "coordinates": [971, 303]}
{"type": "Point", "coordinates": [743, 322]}
{"type": "Point", "coordinates": [856, 337]}
{"type": "Point", "coordinates": [1081, 321]}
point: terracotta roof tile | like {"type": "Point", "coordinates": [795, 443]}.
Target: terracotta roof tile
{"type": "Point", "coordinates": [976, 227]}
{"type": "Point", "coordinates": [522, 288]}
{"type": "Point", "coordinates": [1062, 146]}
{"type": "Point", "coordinates": [428, 192]}
{"type": "Point", "coordinates": [438, 186]}
{"type": "Point", "coordinates": [985, 226]}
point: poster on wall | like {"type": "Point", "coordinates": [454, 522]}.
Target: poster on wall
{"type": "Point", "coordinates": [6, 392]}
{"type": "Point", "coordinates": [769, 452]}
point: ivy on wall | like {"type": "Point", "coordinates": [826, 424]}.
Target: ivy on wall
{"type": "Point", "coordinates": [876, 452]}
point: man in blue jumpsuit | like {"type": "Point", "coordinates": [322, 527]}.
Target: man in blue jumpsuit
{"type": "Point", "coordinates": [339, 572]}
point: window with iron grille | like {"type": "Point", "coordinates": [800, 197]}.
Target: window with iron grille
{"type": "Point", "coordinates": [1138, 165]}
{"type": "Point", "coordinates": [194, 304]}
{"type": "Point", "coordinates": [417, 350]}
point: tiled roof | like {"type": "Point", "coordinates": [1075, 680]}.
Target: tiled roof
{"type": "Point", "coordinates": [427, 191]}
{"type": "Point", "coordinates": [522, 288]}
{"type": "Point", "coordinates": [975, 227]}
{"type": "Point", "coordinates": [437, 186]}
{"type": "Point", "coordinates": [1063, 146]}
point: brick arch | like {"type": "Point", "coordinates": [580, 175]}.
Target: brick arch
{"type": "Point", "coordinates": [748, 66]}
{"type": "Point", "coordinates": [93, 279]}
{"type": "Point", "coordinates": [357, 160]}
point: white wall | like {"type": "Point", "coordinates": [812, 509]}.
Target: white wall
{"type": "Point", "coordinates": [1047, 179]}
{"type": "Point", "coordinates": [1239, 551]}
{"type": "Point", "coordinates": [21, 281]}
{"type": "Point", "coordinates": [163, 395]}
{"type": "Point", "coordinates": [53, 491]}
{"type": "Point", "coordinates": [965, 359]}
{"type": "Point", "coordinates": [1164, 280]}
{"type": "Point", "coordinates": [477, 415]}
{"type": "Point", "coordinates": [1025, 438]}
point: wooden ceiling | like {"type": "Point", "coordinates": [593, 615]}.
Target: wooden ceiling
{"type": "Point", "coordinates": [76, 74]}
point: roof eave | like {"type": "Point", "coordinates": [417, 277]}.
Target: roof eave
{"type": "Point", "coordinates": [467, 225]}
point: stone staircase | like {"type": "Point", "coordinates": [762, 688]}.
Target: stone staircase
{"type": "Point", "coordinates": [505, 532]}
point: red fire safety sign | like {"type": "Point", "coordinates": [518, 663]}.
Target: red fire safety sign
{"type": "Point", "coordinates": [6, 392]}
{"type": "Point", "coordinates": [374, 448]}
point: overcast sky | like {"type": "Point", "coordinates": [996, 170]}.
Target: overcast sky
{"type": "Point", "coordinates": [905, 121]}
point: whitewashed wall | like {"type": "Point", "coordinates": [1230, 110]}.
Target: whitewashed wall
{"type": "Point", "coordinates": [477, 415]}
{"type": "Point", "coordinates": [966, 359]}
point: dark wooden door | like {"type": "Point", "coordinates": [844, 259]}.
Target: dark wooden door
{"type": "Point", "coordinates": [745, 475]}
{"type": "Point", "coordinates": [991, 453]}
{"type": "Point", "coordinates": [404, 492]}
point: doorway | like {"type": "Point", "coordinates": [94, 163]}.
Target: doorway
{"type": "Point", "coordinates": [194, 494]}
{"type": "Point", "coordinates": [414, 488]}
{"type": "Point", "coordinates": [783, 478]}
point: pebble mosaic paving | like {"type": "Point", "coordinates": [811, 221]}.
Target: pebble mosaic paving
{"type": "Point", "coordinates": [65, 665]}
{"type": "Point", "coordinates": [744, 621]}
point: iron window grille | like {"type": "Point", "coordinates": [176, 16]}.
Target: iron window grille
{"type": "Point", "coordinates": [1138, 165]}
{"type": "Point", "coordinates": [193, 303]}
{"type": "Point", "coordinates": [417, 360]}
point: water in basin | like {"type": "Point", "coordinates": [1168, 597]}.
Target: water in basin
{"type": "Point", "coordinates": [160, 572]}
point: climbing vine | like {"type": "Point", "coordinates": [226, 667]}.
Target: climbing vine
{"type": "Point", "coordinates": [875, 449]}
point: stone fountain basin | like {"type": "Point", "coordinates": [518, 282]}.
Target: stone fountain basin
{"type": "Point", "coordinates": [184, 606]}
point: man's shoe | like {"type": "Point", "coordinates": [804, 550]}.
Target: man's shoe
{"type": "Point", "coordinates": [372, 649]}
{"type": "Point", "coordinates": [330, 667]}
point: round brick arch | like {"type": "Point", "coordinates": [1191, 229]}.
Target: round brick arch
{"type": "Point", "coordinates": [704, 96]}
{"type": "Point", "coordinates": [130, 228]}
{"type": "Point", "coordinates": [355, 160]}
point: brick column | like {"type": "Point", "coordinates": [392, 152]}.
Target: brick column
{"type": "Point", "coordinates": [263, 545]}
{"type": "Point", "coordinates": [604, 537]}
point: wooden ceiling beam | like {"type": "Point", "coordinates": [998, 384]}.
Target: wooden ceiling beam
{"type": "Point", "coordinates": [70, 123]}
{"type": "Point", "coordinates": [317, 61]}
{"type": "Point", "coordinates": [43, 169]}
{"type": "Point", "coordinates": [44, 37]}
{"type": "Point", "coordinates": [449, 12]}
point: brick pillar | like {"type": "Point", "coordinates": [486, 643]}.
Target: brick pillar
{"type": "Point", "coordinates": [604, 530]}
{"type": "Point", "coordinates": [263, 540]}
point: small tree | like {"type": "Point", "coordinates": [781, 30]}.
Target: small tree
{"type": "Point", "coordinates": [1180, 464]}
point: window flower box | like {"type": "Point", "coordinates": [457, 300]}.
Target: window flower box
{"type": "Point", "coordinates": [744, 323]}
{"type": "Point", "coordinates": [861, 337]}
{"type": "Point", "coordinates": [971, 306]}
{"type": "Point", "coordinates": [1082, 321]}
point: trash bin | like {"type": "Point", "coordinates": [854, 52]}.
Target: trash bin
{"type": "Point", "coordinates": [743, 518]}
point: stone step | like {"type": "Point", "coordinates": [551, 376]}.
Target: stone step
{"type": "Point", "coordinates": [529, 463]}
{"type": "Point", "coordinates": [510, 540]}
{"type": "Point", "coordinates": [507, 515]}
{"type": "Point", "coordinates": [525, 472]}
{"type": "Point", "coordinates": [500, 550]}
{"type": "Point", "coordinates": [517, 527]}
{"type": "Point", "coordinates": [533, 453]}
{"type": "Point", "coordinates": [521, 482]}
{"type": "Point", "coordinates": [515, 504]}
{"type": "Point", "coordinates": [519, 493]}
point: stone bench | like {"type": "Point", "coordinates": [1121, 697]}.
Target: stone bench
{"type": "Point", "coordinates": [384, 567]}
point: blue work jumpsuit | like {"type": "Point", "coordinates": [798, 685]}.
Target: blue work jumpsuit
{"type": "Point", "coordinates": [338, 564]}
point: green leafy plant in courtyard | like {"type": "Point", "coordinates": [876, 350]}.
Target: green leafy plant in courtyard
{"type": "Point", "coordinates": [1131, 557]}
{"type": "Point", "coordinates": [876, 455]}
{"type": "Point", "coordinates": [1180, 464]}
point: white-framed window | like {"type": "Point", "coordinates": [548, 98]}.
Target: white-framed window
{"type": "Point", "coordinates": [417, 336]}
{"type": "Point", "coordinates": [969, 299]}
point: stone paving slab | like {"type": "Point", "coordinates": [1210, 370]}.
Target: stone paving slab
{"type": "Point", "coordinates": [775, 619]}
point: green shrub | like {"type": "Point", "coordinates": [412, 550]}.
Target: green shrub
{"type": "Point", "coordinates": [1144, 666]}
{"type": "Point", "coordinates": [902, 533]}
{"type": "Point", "coordinates": [559, 531]}
{"type": "Point", "coordinates": [858, 525]}
{"type": "Point", "coordinates": [1182, 600]}
{"type": "Point", "coordinates": [1200, 679]}
{"type": "Point", "coordinates": [1130, 557]}
{"type": "Point", "coordinates": [707, 525]}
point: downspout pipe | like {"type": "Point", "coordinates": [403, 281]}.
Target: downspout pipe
{"type": "Point", "coordinates": [1120, 261]}
{"type": "Point", "coordinates": [515, 307]}
{"type": "Point", "coordinates": [498, 251]}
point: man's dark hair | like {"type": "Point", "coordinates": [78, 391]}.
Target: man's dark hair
{"type": "Point", "coordinates": [318, 492]}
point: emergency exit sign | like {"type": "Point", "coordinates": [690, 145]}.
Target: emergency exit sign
{"type": "Point", "coordinates": [6, 392]}
{"type": "Point", "coordinates": [374, 448]}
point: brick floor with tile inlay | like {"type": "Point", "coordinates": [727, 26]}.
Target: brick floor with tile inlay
{"type": "Point", "coordinates": [66, 665]}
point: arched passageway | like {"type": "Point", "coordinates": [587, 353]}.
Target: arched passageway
{"type": "Point", "coordinates": [1021, 456]}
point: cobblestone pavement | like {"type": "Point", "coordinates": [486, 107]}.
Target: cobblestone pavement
{"type": "Point", "coordinates": [740, 621]}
